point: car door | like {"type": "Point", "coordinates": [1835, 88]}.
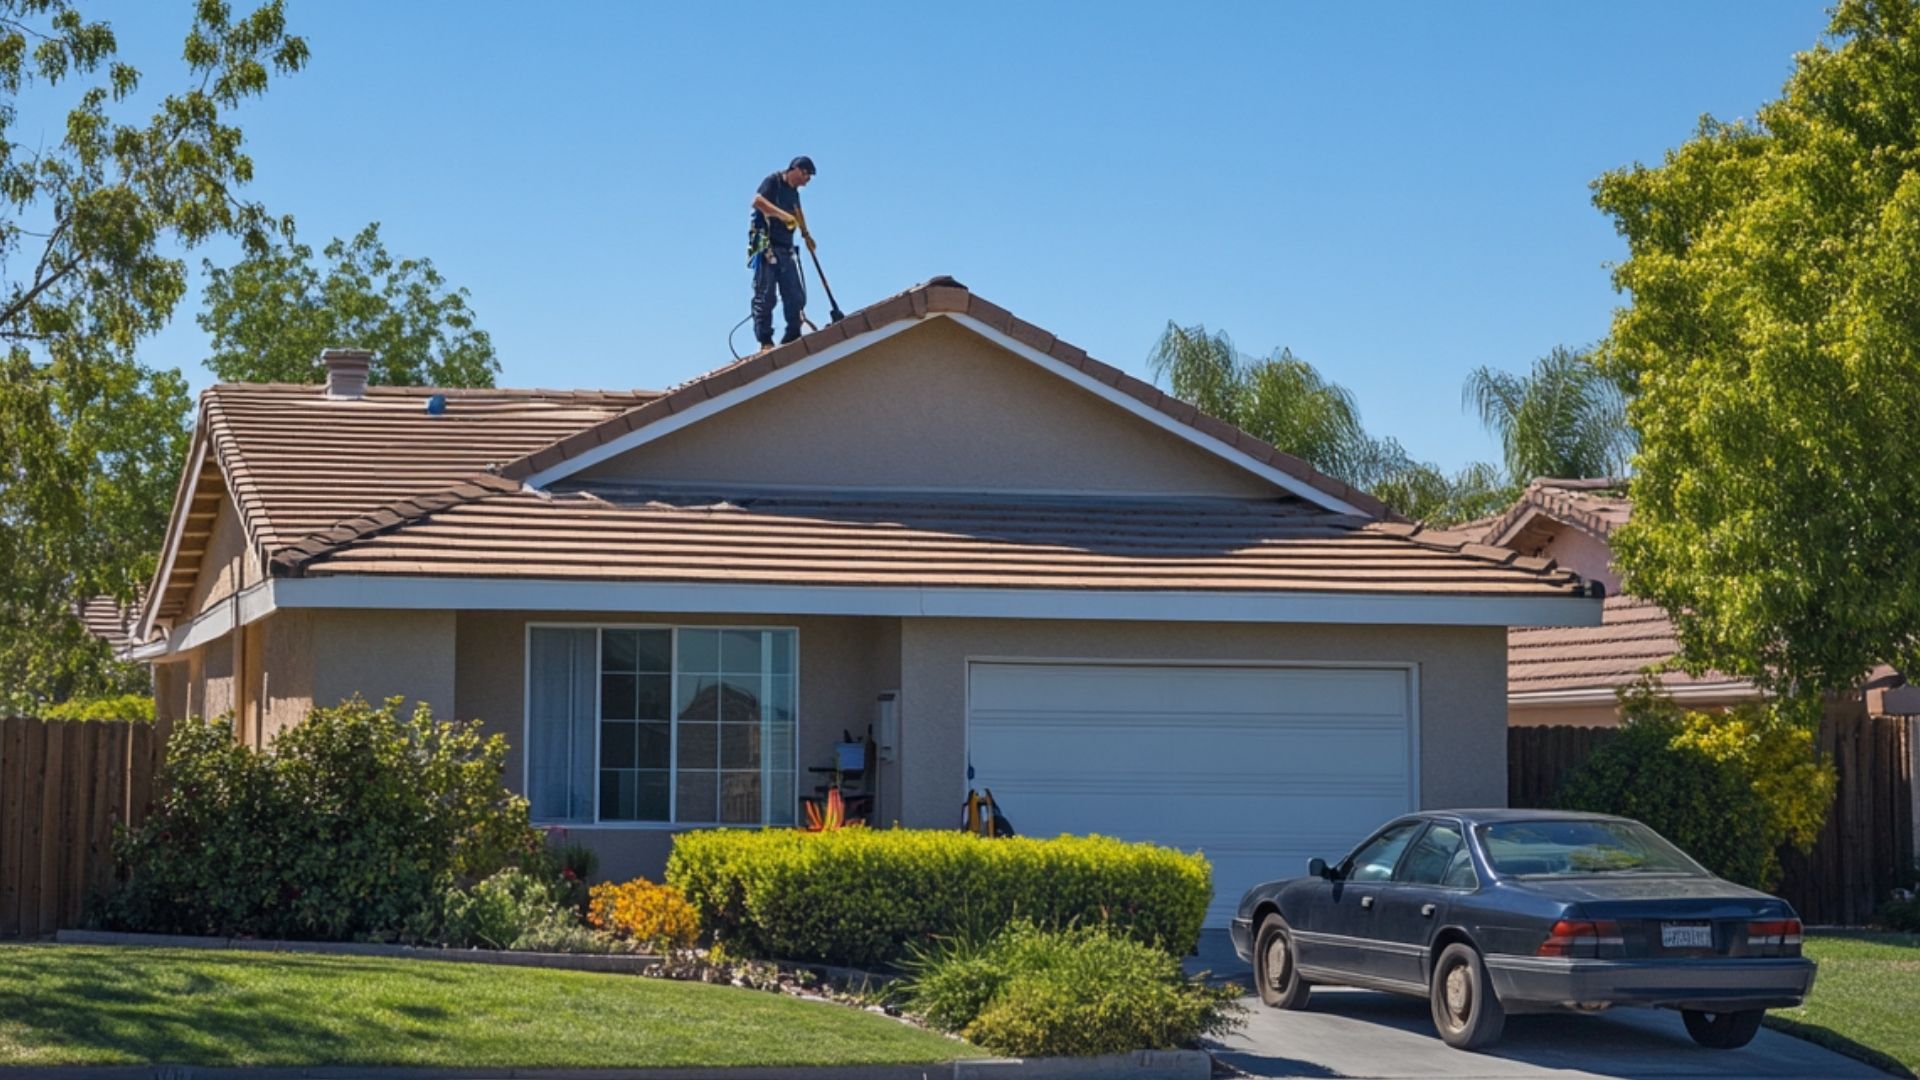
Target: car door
{"type": "Point", "coordinates": [1435, 869]}
{"type": "Point", "coordinates": [1344, 922]}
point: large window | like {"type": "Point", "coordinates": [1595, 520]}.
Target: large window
{"type": "Point", "coordinates": [661, 725]}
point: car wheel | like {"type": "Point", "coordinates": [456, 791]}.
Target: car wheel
{"type": "Point", "coordinates": [1280, 983]}
{"type": "Point", "coordinates": [1722, 1030]}
{"type": "Point", "coordinates": [1465, 1009]}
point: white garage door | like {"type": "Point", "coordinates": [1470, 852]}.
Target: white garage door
{"type": "Point", "coordinates": [1260, 768]}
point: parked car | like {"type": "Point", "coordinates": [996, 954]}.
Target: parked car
{"type": "Point", "coordinates": [1491, 912]}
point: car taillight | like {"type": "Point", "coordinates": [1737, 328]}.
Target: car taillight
{"type": "Point", "coordinates": [1581, 937]}
{"type": "Point", "coordinates": [1774, 935]}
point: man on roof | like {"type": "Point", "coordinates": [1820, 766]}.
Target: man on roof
{"type": "Point", "coordinates": [770, 251]}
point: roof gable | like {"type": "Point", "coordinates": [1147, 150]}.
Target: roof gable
{"type": "Point", "coordinates": [940, 298]}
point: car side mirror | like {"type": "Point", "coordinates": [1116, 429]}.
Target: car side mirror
{"type": "Point", "coordinates": [1318, 868]}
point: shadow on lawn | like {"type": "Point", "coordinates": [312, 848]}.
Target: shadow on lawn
{"type": "Point", "coordinates": [207, 1009]}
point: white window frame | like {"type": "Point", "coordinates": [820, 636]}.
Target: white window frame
{"type": "Point", "coordinates": [673, 745]}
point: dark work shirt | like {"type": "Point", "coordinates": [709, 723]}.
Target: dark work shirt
{"type": "Point", "coordinates": [777, 191]}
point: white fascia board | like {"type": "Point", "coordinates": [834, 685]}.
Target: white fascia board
{"type": "Point", "coordinates": [1730, 690]}
{"type": "Point", "coordinates": [667, 425]}
{"type": "Point", "coordinates": [1187, 432]}
{"type": "Point", "coordinates": [398, 592]}
{"type": "Point", "coordinates": [781, 376]}
{"type": "Point", "coordinates": [249, 605]}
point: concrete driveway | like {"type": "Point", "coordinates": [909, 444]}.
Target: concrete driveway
{"type": "Point", "coordinates": [1362, 1034]}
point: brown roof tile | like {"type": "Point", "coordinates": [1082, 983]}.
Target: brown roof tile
{"type": "Point", "coordinates": [1634, 636]}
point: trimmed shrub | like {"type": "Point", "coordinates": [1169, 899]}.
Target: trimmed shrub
{"type": "Point", "coordinates": [133, 707]}
{"type": "Point", "coordinates": [656, 917]}
{"type": "Point", "coordinates": [1029, 992]}
{"type": "Point", "coordinates": [352, 825]}
{"type": "Point", "coordinates": [861, 897]}
{"type": "Point", "coordinates": [1729, 788]}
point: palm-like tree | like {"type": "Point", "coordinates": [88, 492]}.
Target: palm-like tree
{"type": "Point", "coordinates": [1563, 418]}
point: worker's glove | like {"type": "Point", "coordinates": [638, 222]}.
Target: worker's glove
{"type": "Point", "coordinates": [809, 239]}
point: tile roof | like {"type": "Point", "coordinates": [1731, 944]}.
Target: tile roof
{"type": "Point", "coordinates": [380, 486]}
{"type": "Point", "coordinates": [824, 538]}
{"type": "Point", "coordinates": [938, 295]}
{"type": "Point", "coordinates": [1633, 634]}
{"type": "Point", "coordinates": [297, 462]}
{"type": "Point", "coordinates": [1599, 506]}
{"type": "Point", "coordinates": [107, 619]}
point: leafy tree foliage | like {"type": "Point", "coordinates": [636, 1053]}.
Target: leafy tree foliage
{"type": "Point", "coordinates": [1564, 418]}
{"type": "Point", "coordinates": [1285, 400]}
{"type": "Point", "coordinates": [91, 439]}
{"type": "Point", "coordinates": [272, 314]}
{"type": "Point", "coordinates": [1772, 343]}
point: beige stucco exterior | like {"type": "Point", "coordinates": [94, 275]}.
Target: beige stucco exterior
{"type": "Point", "coordinates": [935, 407]}
{"type": "Point", "coordinates": [228, 565]}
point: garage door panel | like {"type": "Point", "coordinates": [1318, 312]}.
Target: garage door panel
{"type": "Point", "coordinates": [1260, 768]}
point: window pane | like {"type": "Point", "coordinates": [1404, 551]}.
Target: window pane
{"type": "Point", "coordinates": [780, 797]}
{"type": "Point", "coordinates": [700, 651]}
{"type": "Point", "coordinates": [779, 701]}
{"type": "Point", "coordinates": [699, 746]}
{"type": "Point", "coordinates": [740, 798]}
{"type": "Point", "coordinates": [616, 745]}
{"type": "Point", "coordinates": [560, 723]}
{"type": "Point", "coordinates": [653, 745]}
{"type": "Point", "coordinates": [740, 652]}
{"type": "Point", "coordinates": [696, 800]}
{"type": "Point", "coordinates": [617, 650]}
{"type": "Point", "coordinates": [1429, 859]}
{"type": "Point", "coordinates": [740, 699]}
{"type": "Point", "coordinates": [739, 746]}
{"type": "Point", "coordinates": [656, 694]}
{"type": "Point", "coordinates": [616, 795]}
{"type": "Point", "coordinates": [651, 802]}
{"type": "Point", "coordinates": [1375, 861]}
{"type": "Point", "coordinates": [653, 650]}
{"type": "Point", "coordinates": [699, 697]}
{"type": "Point", "coordinates": [617, 697]}
{"type": "Point", "coordinates": [781, 643]}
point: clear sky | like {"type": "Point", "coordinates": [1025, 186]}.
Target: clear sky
{"type": "Point", "coordinates": [1396, 191]}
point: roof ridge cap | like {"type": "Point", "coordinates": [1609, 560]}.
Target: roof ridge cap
{"type": "Point", "coordinates": [292, 559]}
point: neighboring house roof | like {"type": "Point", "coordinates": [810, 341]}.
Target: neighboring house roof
{"type": "Point", "coordinates": [378, 489]}
{"type": "Point", "coordinates": [106, 619]}
{"type": "Point", "coordinates": [1587, 664]}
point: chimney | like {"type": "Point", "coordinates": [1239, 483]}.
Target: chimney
{"type": "Point", "coordinates": [346, 373]}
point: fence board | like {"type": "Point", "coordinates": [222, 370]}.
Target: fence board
{"type": "Point", "coordinates": [64, 786]}
{"type": "Point", "coordinates": [1865, 849]}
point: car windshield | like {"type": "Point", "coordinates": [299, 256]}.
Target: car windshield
{"type": "Point", "coordinates": [1577, 848]}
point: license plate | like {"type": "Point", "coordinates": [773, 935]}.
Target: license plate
{"type": "Point", "coordinates": [1685, 935]}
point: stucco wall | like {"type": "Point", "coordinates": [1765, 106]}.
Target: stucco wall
{"type": "Point", "coordinates": [381, 654]}
{"type": "Point", "coordinates": [216, 677]}
{"type": "Point", "coordinates": [1462, 678]}
{"type": "Point", "coordinates": [286, 665]}
{"type": "Point", "coordinates": [1584, 554]}
{"type": "Point", "coordinates": [842, 668]}
{"type": "Point", "coordinates": [934, 407]}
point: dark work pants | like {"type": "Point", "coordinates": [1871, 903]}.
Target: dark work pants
{"type": "Point", "coordinates": [779, 268]}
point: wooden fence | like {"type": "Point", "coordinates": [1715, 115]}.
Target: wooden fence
{"type": "Point", "coordinates": [64, 785]}
{"type": "Point", "coordinates": [1865, 851]}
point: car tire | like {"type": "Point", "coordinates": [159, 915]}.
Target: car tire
{"type": "Point", "coordinates": [1273, 945]}
{"type": "Point", "coordinates": [1723, 1030]}
{"type": "Point", "coordinates": [1466, 1011]}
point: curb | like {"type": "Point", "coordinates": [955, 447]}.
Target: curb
{"type": "Point", "coordinates": [1140, 1065]}
{"type": "Point", "coordinates": [616, 963]}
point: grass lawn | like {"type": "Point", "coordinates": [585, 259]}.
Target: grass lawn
{"type": "Point", "coordinates": [67, 1005]}
{"type": "Point", "coordinates": [1865, 1001]}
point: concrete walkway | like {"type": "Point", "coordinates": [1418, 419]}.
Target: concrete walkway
{"type": "Point", "coordinates": [1362, 1034]}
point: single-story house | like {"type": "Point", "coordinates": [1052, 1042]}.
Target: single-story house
{"type": "Point", "coordinates": [1571, 674]}
{"type": "Point", "coordinates": [1018, 567]}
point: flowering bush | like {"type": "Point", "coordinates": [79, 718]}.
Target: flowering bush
{"type": "Point", "coordinates": [656, 916]}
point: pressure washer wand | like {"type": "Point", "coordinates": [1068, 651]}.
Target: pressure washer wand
{"type": "Point", "coordinates": [833, 306]}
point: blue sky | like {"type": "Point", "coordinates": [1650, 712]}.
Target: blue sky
{"type": "Point", "coordinates": [1396, 191]}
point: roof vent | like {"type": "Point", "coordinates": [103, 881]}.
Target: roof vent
{"type": "Point", "coordinates": [346, 372]}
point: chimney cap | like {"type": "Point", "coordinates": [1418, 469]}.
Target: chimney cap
{"type": "Point", "coordinates": [346, 372]}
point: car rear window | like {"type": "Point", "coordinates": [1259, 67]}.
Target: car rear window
{"type": "Point", "coordinates": [1576, 848]}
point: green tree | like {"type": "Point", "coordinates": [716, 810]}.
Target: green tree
{"type": "Point", "coordinates": [1287, 402]}
{"type": "Point", "coordinates": [90, 438]}
{"type": "Point", "coordinates": [1563, 418]}
{"type": "Point", "coordinates": [271, 314]}
{"type": "Point", "coordinates": [1772, 343]}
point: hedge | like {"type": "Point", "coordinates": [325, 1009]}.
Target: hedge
{"type": "Point", "coordinates": [867, 897]}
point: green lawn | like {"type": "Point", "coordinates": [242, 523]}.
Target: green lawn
{"type": "Point", "coordinates": [66, 1005]}
{"type": "Point", "coordinates": [1865, 1001]}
